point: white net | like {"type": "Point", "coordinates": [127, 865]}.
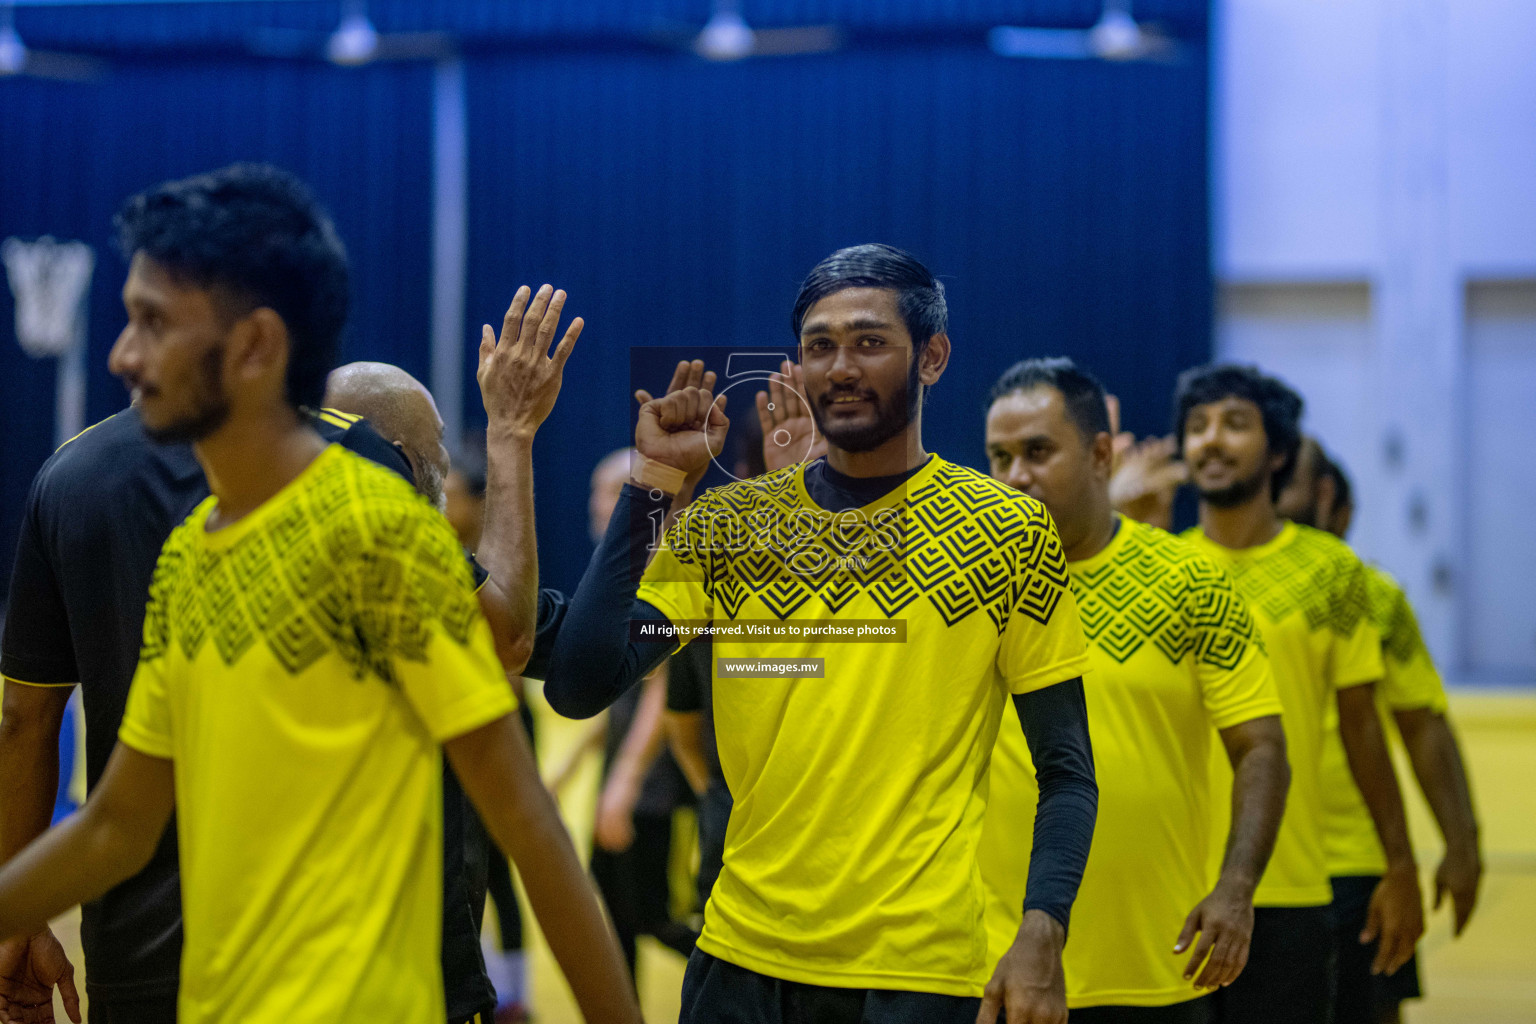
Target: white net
{"type": "Point", "coordinates": [50, 280]}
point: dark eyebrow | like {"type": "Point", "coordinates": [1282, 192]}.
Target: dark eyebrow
{"type": "Point", "coordinates": [863, 323]}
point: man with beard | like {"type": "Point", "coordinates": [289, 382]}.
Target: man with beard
{"type": "Point", "coordinates": [311, 638]}
{"type": "Point", "coordinates": [1239, 432]}
{"type": "Point", "coordinates": [1176, 663]}
{"type": "Point", "coordinates": [1412, 699]}
{"type": "Point", "coordinates": [850, 890]}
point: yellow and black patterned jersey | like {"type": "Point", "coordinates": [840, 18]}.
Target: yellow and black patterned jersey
{"type": "Point", "coordinates": [850, 858]}
{"type": "Point", "coordinates": [1174, 655]}
{"type": "Point", "coordinates": [300, 666]}
{"type": "Point", "coordinates": [1309, 593]}
{"type": "Point", "coordinates": [1410, 682]}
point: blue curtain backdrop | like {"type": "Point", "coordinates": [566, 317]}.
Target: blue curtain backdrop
{"type": "Point", "coordinates": [71, 153]}
{"type": "Point", "coordinates": [680, 202]}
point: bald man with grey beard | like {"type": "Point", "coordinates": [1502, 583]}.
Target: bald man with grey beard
{"type": "Point", "coordinates": [402, 411]}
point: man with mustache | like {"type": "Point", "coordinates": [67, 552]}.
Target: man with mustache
{"type": "Point", "coordinates": [1239, 432]}
{"type": "Point", "coordinates": [1177, 663]}
{"type": "Point", "coordinates": [850, 890]}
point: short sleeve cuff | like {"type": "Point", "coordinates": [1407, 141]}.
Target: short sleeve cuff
{"type": "Point", "coordinates": [27, 682]}
{"type": "Point", "coordinates": [1247, 711]}
{"type": "Point", "coordinates": [38, 671]}
{"type": "Point", "coordinates": [1050, 675]}
{"type": "Point", "coordinates": [472, 711]}
{"type": "Point", "coordinates": [143, 740]}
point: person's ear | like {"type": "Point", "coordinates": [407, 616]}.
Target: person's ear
{"type": "Point", "coordinates": [933, 360]}
{"type": "Point", "coordinates": [258, 348]}
{"type": "Point", "coordinates": [1325, 492]}
{"type": "Point", "coordinates": [405, 453]}
{"type": "Point", "coordinates": [1102, 454]}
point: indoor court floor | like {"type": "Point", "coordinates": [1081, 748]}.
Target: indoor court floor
{"type": "Point", "coordinates": [1488, 976]}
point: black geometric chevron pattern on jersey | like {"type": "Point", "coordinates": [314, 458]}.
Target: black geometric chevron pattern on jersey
{"type": "Point", "coordinates": [352, 563]}
{"type": "Point", "coordinates": [1315, 576]}
{"type": "Point", "coordinates": [1394, 618]}
{"type": "Point", "coordinates": [1158, 590]}
{"type": "Point", "coordinates": [958, 540]}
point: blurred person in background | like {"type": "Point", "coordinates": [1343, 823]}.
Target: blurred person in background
{"type": "Point", "coordinates": [642, 785]}
{"type": "Point", "coordinates": [1239, 432]}
{"type": "Point", "coordinates": [1176, 660]}
{"type": "Point", "coordinates": [1412, 699]}
{"type": "Point", "coordinates": [464, 505]}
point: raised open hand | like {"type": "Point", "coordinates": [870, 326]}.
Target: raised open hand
{"type": "Point", "coordinates": [519, 378]}
{"type": "Point", "coordinates": [789, 431]}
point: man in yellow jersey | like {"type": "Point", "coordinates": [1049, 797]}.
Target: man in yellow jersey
{"type": "Point", "coordinates": [850, 890]}
{"type": "Point", "coordinates": [1239, 432]}
{"type": "Point", "coordinates": [311, 637]}
{"type": "Point", "coordinates": [1175, 662]}
{"type": "Point", "coordinates": [1412, 699]}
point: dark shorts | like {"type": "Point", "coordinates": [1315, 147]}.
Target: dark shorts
{"type": "Point", "coordinates": [1362, 997]}
{"type": "Point", "coordinates": [153, 1010]}
{"type": "Point", "coordinates": [717, 992]}
{"type": "Point", "coordinates": [1194, 1011]}
{"type": "Point", "coordinates": [1290, 974]}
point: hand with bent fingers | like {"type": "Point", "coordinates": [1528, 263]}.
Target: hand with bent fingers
{"type": "Point", "coordinates": [1396, 917]}
{"type": "Point", "coordinates": [1028, 985]}
{"type": "Point", "coordinates": [689, 374]}
{"type": "Point", "coordinates": [1224, 921]}
{"type": "Point", "coordinates": [786, 420]}
{"type": "Point", "coordinates": [683, 429]}
{"type": "Point", "coordinates": [519, 378]}
{"type": "Point", "coordinates": [30, 966]}
{"type": "Point", "coordinates": [1459, 875]}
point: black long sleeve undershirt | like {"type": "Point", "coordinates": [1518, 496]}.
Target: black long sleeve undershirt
{"type": "Point", "coordinates": [595, 659]}
{"type": "Point", "coordinates": [1055, 721]}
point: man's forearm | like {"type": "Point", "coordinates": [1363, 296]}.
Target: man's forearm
{"type": "Point", "coordinates": [1437, 763]}
{"type": "Point", "coordinates": [1366, 750]}
{"type": "Point", "coordinates": [594, 658]}
{"type": "Point", "coordinates": [495, 766]}
{"type": "Point", "coordinates": [683, 728]}
{"type": "Point", "coordinates": [87, 854]}
{"type": "Point", "coordinates": [643, 742]}
{"type": "Point", "coordinates": [509, 544]}
{"type": "Point", "coordinates": [29, 777]}
{"type": "Point", "coordinates": [1055, 722]}
{"type": "Point", "coordinates": [1260, 778]}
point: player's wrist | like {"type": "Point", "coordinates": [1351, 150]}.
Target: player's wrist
{"type": "Point", "coordinates": [510, 431]}
{"type": "Point", "coordinates": [1039, 929]}
{"type": "Point", "coordinates": [655, 475]}
{"type": "Point", "coordinates": [1237, 884]}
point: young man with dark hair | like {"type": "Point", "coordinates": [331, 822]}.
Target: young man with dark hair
{"type": "Point", "coordinates": [850, 889]}
{"type": "Point", "coordinates": [1176, 660]}
{"type": "Point", "coordinates": [1412, 698]}
{"type": "Point", "coordinates": [1239, 432]}
{"type": "Point", "coordinates": [311, 636]}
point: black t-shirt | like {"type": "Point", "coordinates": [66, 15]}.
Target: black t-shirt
{"type": "Point", "coordinates": [689, 688]}
{"type": "Point", "coordinates": [98, 513]}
